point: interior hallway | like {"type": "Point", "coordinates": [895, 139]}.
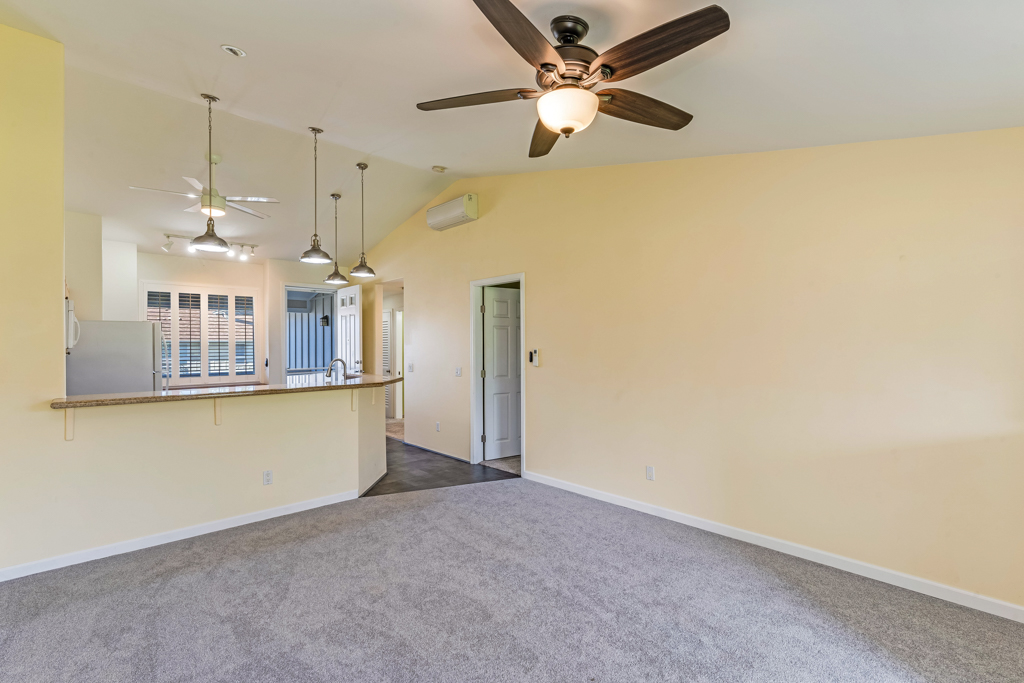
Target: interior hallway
{"type": "Point", "coordinates": [415, 469]}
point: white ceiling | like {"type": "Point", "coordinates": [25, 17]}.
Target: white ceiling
{"type": "Point", "coordinates": [118, 135]}
{"type": "Point", "coordinates": [790, 73]}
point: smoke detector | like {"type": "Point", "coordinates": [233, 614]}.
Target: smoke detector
{"type": "Point", "coordinates": [232, 50]}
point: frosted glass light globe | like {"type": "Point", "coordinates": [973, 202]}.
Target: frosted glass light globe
{"type": "Point", "coordinates": [567, 110]}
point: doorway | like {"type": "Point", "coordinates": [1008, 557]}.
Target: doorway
{"type": "Point", "coordinates": [321, 325]}
{"type": "Point", "coordinates": [393, 356]}
{"type": "Point", "coordinates": [498, 391]}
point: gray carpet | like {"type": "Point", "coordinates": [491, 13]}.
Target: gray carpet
{"type": "Point", "coordinates": [503, 581]}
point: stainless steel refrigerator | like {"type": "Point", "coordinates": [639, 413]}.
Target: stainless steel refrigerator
{"type": "Point", "coordinates": [117, 357]}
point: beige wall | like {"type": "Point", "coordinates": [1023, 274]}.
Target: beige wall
{"type": "Point", "coordinates": [120, 281]}
{"type": "Point", "coordinates": [131, 471]}
{"type": "Point", "coordinates": [822, 345]}
{"type": "Point", "coordinates": [199, 271]}
{"type": "Point", "coordinates": [83, 263]}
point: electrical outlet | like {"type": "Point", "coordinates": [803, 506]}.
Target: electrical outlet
{"type": "Point", "coordinates": [438, 426]}
{"type": "Point", "coordinates": [458, 372]}
{"type": "Point", "coordinates": [650, 473]}
{"type": "Point", "coordinates": [268, 477]}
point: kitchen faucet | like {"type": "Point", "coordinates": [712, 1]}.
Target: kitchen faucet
{"type": "Point", "coordinates": [344, 368]}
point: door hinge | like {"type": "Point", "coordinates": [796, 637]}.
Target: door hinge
{"type": "Point", "coordinates": [483, 374]}
{"type": "Point", "coordinates": [483, 438]}
{"type": "Point", "coordinates": [482, 308]}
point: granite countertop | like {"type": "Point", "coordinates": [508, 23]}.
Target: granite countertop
{"type": "Point", "coordinates": [295, 384]}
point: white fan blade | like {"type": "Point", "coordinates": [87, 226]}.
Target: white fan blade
{"type": "Point", "coordinates": [152, 189]}
{"type": "Point", "coordinates": [193, 182]}
{"type": "Point", "coordinates": [268, 200]}
{"type": "Point", "coordinates": [195, 207]}
{"type": "Point", "coordinates": [247, 210]}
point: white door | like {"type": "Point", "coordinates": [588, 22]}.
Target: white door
{"type": "Point", "coordinates": [350, 328]}
{"type": "Point", "coordinates": [398, 362]}
{"type": "Point", "coordinates": [389, 404]}
{"type": "Point", "coordinates": [502, 438]}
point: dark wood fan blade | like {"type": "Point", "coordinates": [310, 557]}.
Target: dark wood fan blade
{"type": "Point", "coordinates": [522, 35]}
{"type": "Point", "coordinates": [543, 140]}
{"type": "Point", "coordinates": [632, 106]}
{"type": "Point", "coordinates": [654, 47]}
{"type": "Point", "coordinates": [474, 99]}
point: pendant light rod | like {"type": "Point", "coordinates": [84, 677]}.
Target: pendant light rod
{"type": "Point", "coordinates": [209, 241]}
{"type": "Point", "coordinates": [316, 131]}
{"type": "Point", "coordinates": [336, 278]}
{"type": "Point", "coordinates": [315, 254]}
{"type": "Point", "coordinates": [210, 99]}
{"type": "Point", "coordinates": [362, 270]}
{"type": "Point", "coordinates": [362, 208]}
{"type": "Point", "coordinates": [335, 197]}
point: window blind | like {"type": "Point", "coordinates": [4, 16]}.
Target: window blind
{"type": "Point", "coordinates": [190, 344]}
{"type": "Point", "coordinates": [245, 337]}
{"type": "Point", "coordinates": [218, 353]}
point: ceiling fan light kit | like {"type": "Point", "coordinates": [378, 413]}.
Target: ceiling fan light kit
{"type": "Point", "coordinates": [567, 109]}
{"type": "Point", "coordinates": [566, 72]}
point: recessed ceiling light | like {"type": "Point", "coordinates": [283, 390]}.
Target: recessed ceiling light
{"type": "Point", "coordinates": [438, 169]}
{"type": "Point", "coordinates": [232, 50]}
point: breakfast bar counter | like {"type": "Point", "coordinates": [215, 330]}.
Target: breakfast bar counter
{"type": "Point", "coordinates": [294, 385]}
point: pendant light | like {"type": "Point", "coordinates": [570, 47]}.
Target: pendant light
{"type": "Point", "coordinates": [209, 241]}
{"type": "Point", "coordinates": [315, 254]}
{"type": "Point", "coordinates": [362, 270]}
{"type": "Point", "coordinates": [336, 278]}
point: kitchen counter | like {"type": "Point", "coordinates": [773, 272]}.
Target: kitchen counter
{"type": "Point", "coordinates": [294, 385]}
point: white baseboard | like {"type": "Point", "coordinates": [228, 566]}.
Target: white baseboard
{"type": "Point", "coordinates": [1000, 608]}
{"type": "Point", "coordinates": [17, 571]}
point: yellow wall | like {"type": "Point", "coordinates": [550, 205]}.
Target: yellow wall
{"type": "Point", "coordinates": [822, 345]}
{"type": "Point", "coordinates": [83, 263]}
{"type": "Point", "coordinates": [131, 471]}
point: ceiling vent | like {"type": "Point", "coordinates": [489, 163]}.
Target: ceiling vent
{"type": "Point", "coordinates": [456, 212]}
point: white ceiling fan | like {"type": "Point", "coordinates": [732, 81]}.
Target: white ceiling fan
{"type": "Point", "coordinates": [211, 202]}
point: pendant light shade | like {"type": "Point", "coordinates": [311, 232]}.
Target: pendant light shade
{"type": "Point", "coordinates": [315, 254]}
{"type": "Point", "coordinates": [362, 270]}
{"type": "Point", "coordinates": [209, 241]}
{"type": "Point", "coordinates": [336, 278]}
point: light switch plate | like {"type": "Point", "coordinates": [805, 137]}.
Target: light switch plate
{"type": "Point", "coordinates": [650, 473]}
{"type": "Point", "coordinates": [458, 372]}
{"type": "Point", "coordinates": [268, 477]}
{"type": "Point", "coordinates": [535, 357]}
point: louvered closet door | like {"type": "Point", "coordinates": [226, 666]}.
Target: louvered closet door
{"type": "Point", "coordinates": [211, 334]}
{"type": "Point", "coordinates": [389, 408]}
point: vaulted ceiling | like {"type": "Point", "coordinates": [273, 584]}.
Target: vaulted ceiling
{"type": "Point", "coordinates": [789, 73]}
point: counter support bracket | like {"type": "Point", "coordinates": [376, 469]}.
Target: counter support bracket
{"type": "Point", "coordinates": [69, 424]}
{"type": "Point", "coordinates": [217, 416]}
{"type": "Point", "coordinates": [355, 402]}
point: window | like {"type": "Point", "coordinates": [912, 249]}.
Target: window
{"type": "Point", "coordinates": [245, 337]}
{"type": "Point", "coordinates": [201, 326]}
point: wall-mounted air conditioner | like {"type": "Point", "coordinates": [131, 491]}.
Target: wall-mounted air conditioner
{"type": "Point", "coordinates": [456, 212]}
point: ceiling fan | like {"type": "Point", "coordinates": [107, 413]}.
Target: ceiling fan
{"type": "Point", "coordinates": [211, 202]}
{"type": "Point", "coordinates": [566, 72]}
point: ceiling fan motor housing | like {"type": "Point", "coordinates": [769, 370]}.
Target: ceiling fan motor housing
{"type": "Point", "coordinates": [577, 60]}
{"type": "Point", "coordinates": [569, 29]}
